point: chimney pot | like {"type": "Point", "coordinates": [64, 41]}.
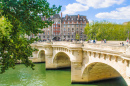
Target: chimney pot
{"type": "Point", "coordinates": [61, 14]}
{"type": "Point", "coordinates": [78, 16]}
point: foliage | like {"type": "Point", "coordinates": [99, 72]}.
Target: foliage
{"type": "Point", "coordinates": [20, 17]}
{"type": "Point", "coordinates": [77, 36]}
{"type": "Point", "coordinates": [107, 30]}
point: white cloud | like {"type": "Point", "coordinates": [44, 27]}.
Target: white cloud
{"type": "Point", "coordinates": [100, 3]}
{"type": "Point", "coordinates": [90, 21]}
{"type": "Point", "coordinates": [75, 7]}
{"type": "Point", "coordinates": [83, 5]}
{"type": "Point", "coordinates": [119, 13]}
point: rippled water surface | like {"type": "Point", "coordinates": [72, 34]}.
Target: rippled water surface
{"type": "Point", "coordinates": [23, 76]}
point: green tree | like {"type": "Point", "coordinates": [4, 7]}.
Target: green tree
{"type": "Point", "coordinates": [20, 17]}
{"type": "Point", "coordinates": [107, 30]}
{"type": "Point", "coordinates": [77, 36]}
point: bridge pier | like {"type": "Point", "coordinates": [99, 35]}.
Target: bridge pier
{"type": "Point", "coordinates": [76, 72]}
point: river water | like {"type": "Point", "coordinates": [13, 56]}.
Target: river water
{"type": "Point", "coordinates": [22, 76]}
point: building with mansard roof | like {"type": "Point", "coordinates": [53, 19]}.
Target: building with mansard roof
{"type": "Point", "coordinates": [64, 28]}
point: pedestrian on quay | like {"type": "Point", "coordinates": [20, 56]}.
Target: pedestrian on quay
{"type": "Point", "coordinates": [122, 44]}
{"type": "Point", "coordinates": [104, 40]}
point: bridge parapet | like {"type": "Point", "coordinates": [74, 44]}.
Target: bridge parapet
{"type": "Point", "coordinates": [105, 47]}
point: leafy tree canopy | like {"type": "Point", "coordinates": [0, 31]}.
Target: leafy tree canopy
{"type": "Point", "coordinates": [107, 30]}
{"type": "Point", "coordinates": [17, 18]}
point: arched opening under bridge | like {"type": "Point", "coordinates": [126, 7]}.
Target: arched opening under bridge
{"type": "Point", "coordinates": [62, 60]}
{"type": "Point", "coordinates": [98, 71]}
{"type": "Point", "coordinates": [41, 56]}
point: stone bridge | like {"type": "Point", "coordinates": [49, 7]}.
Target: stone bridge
{"type": "Point", "coordinates": [88, 62]}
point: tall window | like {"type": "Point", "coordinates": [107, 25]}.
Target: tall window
{"type": "Point", "coordinates": [39, 37]}
{"type": "Point", "coordinates": [77, 22]}
{"type": "Point", "coordinates": [64, 22]}
{"type": "Point", "coordinates": [72, 29]}
{"type": "Point", "coordinates": [68, 29]}
{"type": "Point", "coordinates": [81, 25]}
{"type": "Point", "coordinates": [77, 25]}
{"type": "Point", "coordinates": [48, 33]}
{"type": "Point", "coordinates": [68, 22]}
{"type": "Point", "coordinates": [64, 29]}
{"type": "Point", "coordinates": [72, 22]}
{"type": "Point", "coordinates": [64, 25]}
{"type": "Point", "coordinates": [77, 29]}
{"type": "Point", "coordinates": [81, 29]}
{"type": "Point", "coordinates": [68, 25]}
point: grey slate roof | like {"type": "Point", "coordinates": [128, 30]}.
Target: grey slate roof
{"type": "Point", "coordinates": [67, 18]}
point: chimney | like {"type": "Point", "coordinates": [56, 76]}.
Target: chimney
{"type": "Point", "coordinates": [78, 16]}
{"type": "Point", "coordinates": [66, 17]}
{"type": "Point", "coordinates": [61, 14]}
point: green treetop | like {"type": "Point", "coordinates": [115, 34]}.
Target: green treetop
{"type": "Point", "coordinates": [17, 18]}
{"type": "Point", "coordinates": [107, 30]}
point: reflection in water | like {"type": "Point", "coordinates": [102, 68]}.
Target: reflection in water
{"type": "Point", "coordinates": [23, 76]}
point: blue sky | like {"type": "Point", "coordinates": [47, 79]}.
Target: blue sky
{"type": "Point", "coordinates": [116, 11]}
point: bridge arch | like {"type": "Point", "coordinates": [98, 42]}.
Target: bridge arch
{"type": "Point", "coordinates": [97, 71]}
{"type": "Point", "coordinates": [41, 56]}
{"type": "Point", "coordinates": [61, 59]}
